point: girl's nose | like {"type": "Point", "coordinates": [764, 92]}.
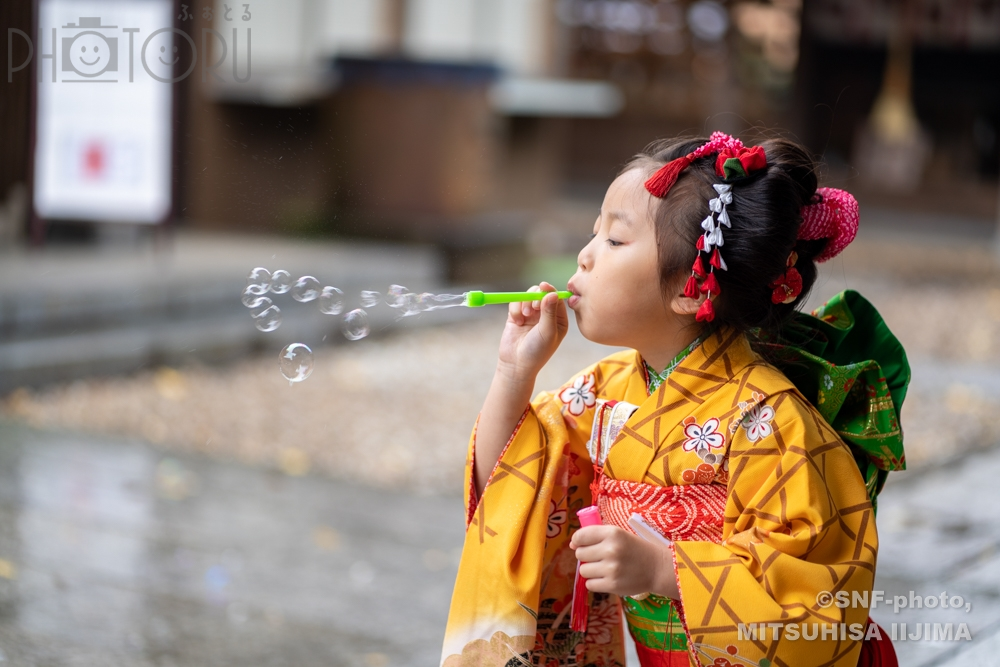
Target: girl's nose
{"type": "Point", "coordinates": [583, 259]}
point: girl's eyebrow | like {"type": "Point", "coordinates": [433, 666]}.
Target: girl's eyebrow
{"type": "Point", "coordinates": [620, 215]}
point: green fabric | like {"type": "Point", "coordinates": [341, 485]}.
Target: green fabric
{"type": "Point", "coordinates": [654, 379]}
{"type": "Point", "coordinates": [733, 168]}
{"type": "Point", "coordinates": [844, 359]}
{"type": "Point", "coordinates": [655, 623]}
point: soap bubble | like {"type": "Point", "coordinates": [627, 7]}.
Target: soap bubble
{"type": "Point", "coordinates": [259, 280]}
{"type": "Point", "coordinates": [355, 324]}
{"type": "Point", "coordinates": [306, 289]}
{"type": "Point", "coordinates": [428, 301]}
{"type": "Point", "coordinates": [394, 297]}
{"type": "Point", "coordinates": [259, 306]}
{"type": "Point", "coordinates": [370, 299]}
{"type": "Point", "coordinates": [411, 304]}
{"type": "Point", "coordinates": [331, 301]}
{"type": "Point", "coordinates": [269, 320]}
{"type": "Point", "coordinates": [296, 362]}
{"type": "Point", "coordinates": [250, 296]}
{"type": "Point", "coordinates": [281, 281]}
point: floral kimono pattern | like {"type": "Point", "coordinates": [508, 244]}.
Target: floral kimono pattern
{"type": "Point", "coordinates": [796, 521]}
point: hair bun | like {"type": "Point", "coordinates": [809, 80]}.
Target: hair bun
{"type": "Point", "coordinates": [833, 215]}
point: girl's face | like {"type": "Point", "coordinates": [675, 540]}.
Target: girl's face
{"type": "Point", "coordinates": [617, 282]}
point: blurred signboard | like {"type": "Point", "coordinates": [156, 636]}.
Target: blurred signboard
{"type": "Point", "coordinates": [104, 110]}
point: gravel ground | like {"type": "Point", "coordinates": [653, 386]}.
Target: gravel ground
{"type": "Point", "coordinates": [396, 411]}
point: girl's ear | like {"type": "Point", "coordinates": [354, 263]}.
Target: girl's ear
{"type": "Point", "coordinates": [686, 306]}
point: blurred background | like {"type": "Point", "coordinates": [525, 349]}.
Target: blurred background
{"type": "Point", "coordinates": [168, 498]}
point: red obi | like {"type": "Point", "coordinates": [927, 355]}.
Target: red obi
{"type": "Point", "coordinates": [681, 512]}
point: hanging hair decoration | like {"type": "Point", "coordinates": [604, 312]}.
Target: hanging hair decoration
{"type": "Point", "coordinates": [733, 161]}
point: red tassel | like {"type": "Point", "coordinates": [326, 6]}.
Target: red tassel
{"type": "Point", "coordinates": [714, 261]}
{"type": "Point", "coordinates": [700, 245]}
{"type": "Point", "coordinates": [706, 313]}
{"type": "Point", "coordinates": [698, 268]}
{"type": "Point", "coordinates": [711, 285]}
{"type": "Point", "coordinates": [580, 607]}
{"type": "Point", "coordinates": [659, 184]}
{"type": "Point", "coordinates": [691, 290]}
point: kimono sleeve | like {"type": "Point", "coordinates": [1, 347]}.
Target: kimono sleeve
{"type": "Point", "coordinates": [542, 420]}
{"type": "Point", "coordinates": [514, 584]}
{"type": "Point", "coordinates": [798, 530]}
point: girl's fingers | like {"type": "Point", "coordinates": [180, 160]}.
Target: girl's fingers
{"type": "Point", "coordinates": [587, 536]}
{"type": "Point", "coordinates": [548, 307]}
{"type": "Point", "coordinates": [542, 287]}
{"type": "Point", "coordinates": [516, 316]}
{"type": "Point", "coordinates": [591, 554]}
{"type": "Point", "coordinates": [532, 305]}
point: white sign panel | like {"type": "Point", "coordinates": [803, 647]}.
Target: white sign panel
{"type": "Point", "coordinates": [103, 125]}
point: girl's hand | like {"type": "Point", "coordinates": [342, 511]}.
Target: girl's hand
{"type": "Point", "coordinates": [616, 561]}
{"type": "Point", "coordinates": [533, 332]}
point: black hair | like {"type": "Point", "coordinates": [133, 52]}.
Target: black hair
{"type": "Point", "coordinates": [765, 215]}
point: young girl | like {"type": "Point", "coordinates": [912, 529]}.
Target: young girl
{"type": "Point", "coordinates": [762, 486]}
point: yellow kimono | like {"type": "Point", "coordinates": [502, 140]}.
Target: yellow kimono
{"type": "Point", "coordinates": [796, 522]}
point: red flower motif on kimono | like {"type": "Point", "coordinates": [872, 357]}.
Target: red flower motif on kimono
{"type": "Point", "coordinates": [557, 519]}
{"type": "Point", "coordinates": [723, 662]}
{"type": "Point", "coordinates": [704, 436]}
{"type": "Point", "coordinates": [704, 474]}
{"type": "Point", "coordinates": [604, 618]}
{"type": "Point", "coordinates": [580, 395]}
{"type": "Point", "coordinates": [757, 422]}
{"type": "Point", "coordinates": [569, 462]}
{"type": "Point", "coordinates": [574, 469]}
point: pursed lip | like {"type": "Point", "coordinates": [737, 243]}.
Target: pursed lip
{"type": "Point", "coordinates": [575, 299]}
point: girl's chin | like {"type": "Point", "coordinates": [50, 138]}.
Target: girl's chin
{"type": "Point", "coordinates": [588, 332]}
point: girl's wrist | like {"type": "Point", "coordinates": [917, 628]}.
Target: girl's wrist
{"type": "Point", "coordinates": [513, 379]}
{"type": "Point", "coordinates": [665, 577]}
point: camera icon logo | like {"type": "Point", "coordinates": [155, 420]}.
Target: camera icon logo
{"type": "Point", "coordinates": [89, 53]}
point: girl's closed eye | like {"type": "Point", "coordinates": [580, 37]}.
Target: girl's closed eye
{"type": "Point", "coordinates": [613, 243]}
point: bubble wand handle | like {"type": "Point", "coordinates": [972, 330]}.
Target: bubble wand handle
{"type": "Point", "coordinates": [477, 299]}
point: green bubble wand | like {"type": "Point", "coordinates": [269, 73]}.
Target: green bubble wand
{"type": "Point", "coordinates": [478, 299]}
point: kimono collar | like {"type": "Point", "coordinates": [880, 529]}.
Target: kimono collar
{"type": "Point", "coordinates": [723, 355]}
{"type": "Point", "coordinates": [654, 379]}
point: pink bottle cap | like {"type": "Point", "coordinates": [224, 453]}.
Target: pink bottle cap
{"type": "Point", "coordinates": [589, 516]}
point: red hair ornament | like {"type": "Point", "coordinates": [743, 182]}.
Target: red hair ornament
{"type": "Point", "coordinates": [659, 184]}
{"type": "Point", "coordinates": [733, 160]}
{"type": "Point", "coordinates": [787, 287]}
{"type": "Point", "coordinates": [832, 215]}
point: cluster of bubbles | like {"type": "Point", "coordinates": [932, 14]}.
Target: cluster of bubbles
{"type": "Point", "coordinates": [296, 360]}
{"type": "Point", "coordinates": [267, 316]}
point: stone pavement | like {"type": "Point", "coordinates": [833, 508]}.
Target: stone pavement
{"type": "Point", "coordinates": [939, 532]}
{"type": "Point", "coordinates": [113, 552]}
